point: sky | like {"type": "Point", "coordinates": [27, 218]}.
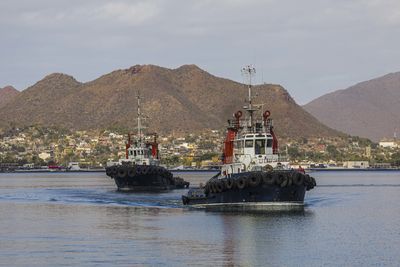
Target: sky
{"type": "Point", "coordinates": [311, 47]}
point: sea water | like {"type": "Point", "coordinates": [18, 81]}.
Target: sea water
{"type": "Point", "coordinates": [79, 219]}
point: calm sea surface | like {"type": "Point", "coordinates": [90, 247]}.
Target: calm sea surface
{"type": "Point", "coordinates": [78, 219]}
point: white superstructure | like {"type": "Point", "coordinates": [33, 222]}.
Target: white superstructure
{"type": "Point", "coordinates": [251, 144]}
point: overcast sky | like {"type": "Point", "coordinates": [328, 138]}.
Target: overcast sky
{"type": "Point", "coordinates": [311, 47]}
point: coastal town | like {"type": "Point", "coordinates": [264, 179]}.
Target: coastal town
{"type": "Point", "coordinates": [39, 147]}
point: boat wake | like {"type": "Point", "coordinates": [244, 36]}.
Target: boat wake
{"type": "Point", "coordinates": [360, 185]}
{"type": "Point", "coordinates": [93, 197]}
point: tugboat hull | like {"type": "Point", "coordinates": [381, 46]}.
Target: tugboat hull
{"type": "Point", "coordinates": [253, 191]}
{"type": "Point", "coordinates": [129, 177]}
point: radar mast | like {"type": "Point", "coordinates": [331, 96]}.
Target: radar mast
{"type": "Point", "coordinates": [248, 72]}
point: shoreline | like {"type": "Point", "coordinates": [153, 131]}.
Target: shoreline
{"type": "Point", "coordinates": [205, 171]}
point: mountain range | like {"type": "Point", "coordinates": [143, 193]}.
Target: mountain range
{"type": "Point", "coordinates": [368, 109]}
{"type": "Point", "coordinates": [185, 99]}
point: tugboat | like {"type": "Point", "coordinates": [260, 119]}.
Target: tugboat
{"type": "Point", "coordinates": [140, 170]}
{"type": "Point", "coordinates": [253, 175]}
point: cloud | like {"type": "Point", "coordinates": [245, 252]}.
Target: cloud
{"type": "Point", "coordinates": [311, 47]}
{"type": "Point", "coordinates": [133, 13]}
{"type": "Point", "coordinates": [68, 13]}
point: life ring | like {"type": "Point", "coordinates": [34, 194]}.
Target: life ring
{"type": "Point", "coordinates": [298, 178]}
{"type": "Point", "coordinates": [238, 114]}
{"type": "Point", "coordinates": [254, 180]}
{"type": "Point", "coordinates": [131, 172]}
{"type": "Point", "coordinates": [266, 114]}
{"type": "Point", "coordinates": [268, 178]}
{"type": "Point", "coordinates": [229, 183]}
{"type": "Point", "coordinates": [241, 182]}
{"type": "Point", "coordinates": [122, 172]}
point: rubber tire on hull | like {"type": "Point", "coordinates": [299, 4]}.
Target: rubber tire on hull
{"type": "Point", "coordinates": [219, 186]}
{"type": "Point", "coordinates": [241, 182]}
{"type": "Point", "coordinates": [278, 177]}
{"type": "Point", "coordinates": [122, 172]}
{"type": "Point", "coordinates": [229, 183]}
{"type": "Point", "coordinates": [268, 178]}
{"type": "Point", "coordinates": [285, 180]}
{"type": "Point", "coordinates": [114, 170]}
{"type": "Point", "coordinates": [212, 187]}
{"type": "Point", "coordinates": [131, 172]}
{"type": "Point", "coordinates": [254, 180]}
{"type": "Point", "coordinates": [298, 178]}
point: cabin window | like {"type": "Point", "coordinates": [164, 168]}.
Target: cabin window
{"type": "Point", "coordinates": [239, 144]}
{"type": "Point", "coordinates": [134, 153]}
{"type": "Point", "coordinates": [269, 142]}
{"type": "Point", "coordinates": [248, 143]}
{"type": "Point", "coordinates": [260, 147]}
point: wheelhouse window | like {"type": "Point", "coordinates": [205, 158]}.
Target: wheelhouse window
{"type": "Point", "coordinates": [239, 144]}
{"type": "Point", "coordinates": [259, 147]}
{"type": "Point", "coordinates": [249, 143]}
{"type": "Point", "coordinates": [269, 142]}
{"type": "Point", "coordinates": [238, 147]}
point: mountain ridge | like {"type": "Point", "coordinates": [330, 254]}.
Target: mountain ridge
{"type": "Point", "coordinates": [7, 93]}
{"type": "Point", "coordinates": [368, 109]}
{"type": "Point", "coordinates": [184, 99]}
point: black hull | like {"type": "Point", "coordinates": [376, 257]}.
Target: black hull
{"type": "Point", "coordinates": [256, 192]}
{"type": "Point", "coordinates": [130, 177]}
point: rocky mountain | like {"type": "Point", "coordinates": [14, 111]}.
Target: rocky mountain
{"type": "Point", "coordinates": [6, 94]}
{"type": "Point", "coordinates": [185, 99]}
{"type": "Point", "coordinates": [369, 109]}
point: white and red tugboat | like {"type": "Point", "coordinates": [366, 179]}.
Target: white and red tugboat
{"type": "Point", "coordinates": [253, 175]}
{"type": "Point", "coordinates": [140, 170]}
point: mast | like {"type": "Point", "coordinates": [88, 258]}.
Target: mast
{"type": "Point", "coordinates": [139, 118]}
{"type": "Point", "coordinates": [249, 71]}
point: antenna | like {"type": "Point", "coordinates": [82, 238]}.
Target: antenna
{"type": "Point", "coordinates": [139, 117]}
{"type": "Point", "coordinates": [248, 72]}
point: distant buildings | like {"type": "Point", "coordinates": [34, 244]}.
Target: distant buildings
{"type": "Point", "coordinates": [389, 143]}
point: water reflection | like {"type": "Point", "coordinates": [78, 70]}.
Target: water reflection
{"type": "Point", "coordinates": [254, 238]}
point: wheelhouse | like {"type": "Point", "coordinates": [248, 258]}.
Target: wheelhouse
{"type": "Point", "coordinates": [254, 144]}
